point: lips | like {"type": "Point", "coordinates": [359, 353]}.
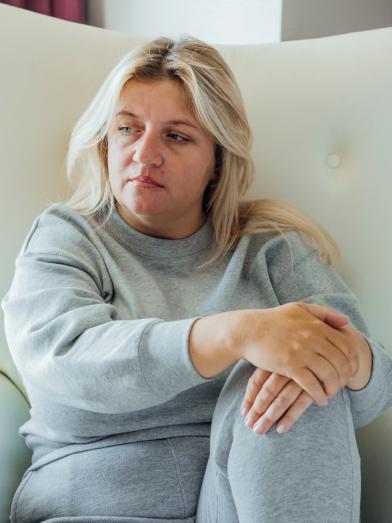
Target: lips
{"type": "Point", "coordinates": [146, 179]}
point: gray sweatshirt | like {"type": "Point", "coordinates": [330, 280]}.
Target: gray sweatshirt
{"type": "Point", "coordinates": [97, 320]}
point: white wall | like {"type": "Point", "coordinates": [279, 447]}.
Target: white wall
{"type": "Point", "coordinates": [303, 19]}
{"type": "Point", "coordinates": [239, 21]}
{"type": "Point", "coordinates": [216, 21]}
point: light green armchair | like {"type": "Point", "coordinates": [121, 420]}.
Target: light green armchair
{"type": "Point", "coordinates": [321, 111]}
{"type": "Point", "coordinates": [15, 456]}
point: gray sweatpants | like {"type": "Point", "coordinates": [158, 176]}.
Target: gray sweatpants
{"type": "Point", "coordinates": [311, 474]}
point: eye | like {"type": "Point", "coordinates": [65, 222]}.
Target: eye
{"type": "Point", "coordinates": [178, 138]}
{"type": "Point", "coordinates": [125, 129]}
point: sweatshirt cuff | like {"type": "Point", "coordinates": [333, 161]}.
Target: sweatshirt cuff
{"type": "Point", "coordinates": [374, 394]}
{"type": "Point", "coordinates": [164, 357]}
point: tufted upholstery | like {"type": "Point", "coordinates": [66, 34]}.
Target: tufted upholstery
{"type": "Point", "coordinates": [321, 111]}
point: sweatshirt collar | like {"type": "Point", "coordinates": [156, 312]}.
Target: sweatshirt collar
{"type": "Point", "coordinates": [154, 247]}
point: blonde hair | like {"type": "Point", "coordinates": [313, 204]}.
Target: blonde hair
{"type": "Point", "coordinates": [213, 96]}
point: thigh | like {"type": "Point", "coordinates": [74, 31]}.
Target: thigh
{"type": "Point", "coordinates": [139, 481]}
{"type": "Point", "coordinates": [216, 504]}
{"type": "Point", "coordinates": [191, 455]}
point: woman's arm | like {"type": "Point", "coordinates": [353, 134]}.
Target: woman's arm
{"type": "Point", "coordinates": [210, 343]}
{"type": "Point", "coordinates": [68, 344]}
{"type": "Point", "coordinates": [311, 280]}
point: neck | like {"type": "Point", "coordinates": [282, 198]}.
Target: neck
{"type": "Point", "coordinates": [170, 229]}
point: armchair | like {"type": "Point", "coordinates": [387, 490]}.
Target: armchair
{"type": "Point", "coordinates": [321, 112]}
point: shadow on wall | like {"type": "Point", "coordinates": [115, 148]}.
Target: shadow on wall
{"type": "Point", "coordinates": [302, 19]}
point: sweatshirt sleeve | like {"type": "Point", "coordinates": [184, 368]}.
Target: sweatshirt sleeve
{"type": "Point", "coordinates": [68, 344]}
{"type": "Point", "coordinates": [310, 279]}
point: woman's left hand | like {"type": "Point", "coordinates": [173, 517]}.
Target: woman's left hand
{"type": "Point", "coordinates": [270, 397]}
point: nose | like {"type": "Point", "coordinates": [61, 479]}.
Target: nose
{"type": "Point", "coordinates": [147, 150]}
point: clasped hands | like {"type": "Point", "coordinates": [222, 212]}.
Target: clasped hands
{"type": "Point", "coordinates": [272, 398]}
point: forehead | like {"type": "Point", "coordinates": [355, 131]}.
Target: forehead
{"type": "Point", "coordinates": [162, 94]}
{"type": "Point", "coordinates": [163, 100]}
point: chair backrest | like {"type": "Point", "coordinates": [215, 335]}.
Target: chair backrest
{"type": "Point", "coordinates": [321, 113]}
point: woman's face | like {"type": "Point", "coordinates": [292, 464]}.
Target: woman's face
{"type": "Point", "coordinates": [154, 134]}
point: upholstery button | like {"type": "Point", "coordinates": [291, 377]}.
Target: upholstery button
{"type": "Point", "coordinates": [333, 160]}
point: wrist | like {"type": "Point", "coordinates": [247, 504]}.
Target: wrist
{"type": "Point", "coordinates": [234, 332]}
{"type": "Point", "coordinates": [211, 350]}
{"type": "Point", "coordinates": [239, 324]}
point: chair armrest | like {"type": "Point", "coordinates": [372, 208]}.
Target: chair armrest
{"type": "Point", "coordinates": [15, 455]}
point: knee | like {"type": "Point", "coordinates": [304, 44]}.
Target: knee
{"type": "Point", "coordinates": [317, 425]}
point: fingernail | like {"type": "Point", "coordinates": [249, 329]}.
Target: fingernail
{"type": "Point", "coordinates": [248, 421]}
{"type": "Point", "coordinates": [258, 424]}
{"type": "Point", "coordinates": [259, 429]}
{"type": "Point", "coordinates": [281, 428]}
{"type": "Point", "coordinates": [243, 410]}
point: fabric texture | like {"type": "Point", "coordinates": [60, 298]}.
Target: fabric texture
{"type": "Point", "coordinates": [97, 319]}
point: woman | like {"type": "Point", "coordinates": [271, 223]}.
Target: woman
{"type": "Point", "coordinates": [154, 302]}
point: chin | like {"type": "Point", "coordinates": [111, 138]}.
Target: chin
{"type": "Point", "coordinates": [140, 210]}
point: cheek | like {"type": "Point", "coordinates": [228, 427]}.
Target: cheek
{"type": "Point", "coordinates": [193, 181]}
{"type": "Point", "coordinates": [111, 155]}
{"type": "Point", "coordinates": [117, 159]}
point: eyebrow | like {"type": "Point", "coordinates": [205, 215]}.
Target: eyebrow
{"type": "Point", "coordinates": [171, 122]}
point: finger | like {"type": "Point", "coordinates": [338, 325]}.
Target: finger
{"type": "Point", "coordinates": [337, 352]}
{"type": "Point", "coordinates": [324, 314]}
{"type": "Point", "coordinates": [336, 357]}
{"type": "Point", "coordinates": [329, 362]}
{"type": "Point", "coordinates": [343, 339]}
{"type": "Point", "coordinates": [304, 377]}
{"type": "Point", "coordinates": [278, 407]}
{"type": "Point", "coordinates": [325, 372]}
{"type": "Point", "coordinates": [341, 363]}
{"type": "Point", "coordinates": [253, 387]}
{"type": "Point", "coordinates": [337, 321]}
{"type": "Point", "coordinates": [266, 395]}
{"type": "Point", "coordinates": [296, 410]}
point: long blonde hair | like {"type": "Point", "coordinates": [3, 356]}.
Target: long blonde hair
{"type": "Point", "coordinates": [214, 98]}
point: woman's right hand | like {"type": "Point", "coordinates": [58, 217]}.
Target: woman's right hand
{"type": "Point", "coordinates": [295, 340]}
